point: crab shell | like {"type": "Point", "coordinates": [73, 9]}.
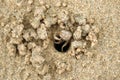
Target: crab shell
{"type": "Point", "coordinates": [65, 35]}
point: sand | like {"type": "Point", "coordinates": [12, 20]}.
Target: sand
{"type": "Point", "coordinates": [59, 39]}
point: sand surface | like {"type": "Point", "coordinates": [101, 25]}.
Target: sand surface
{"type": "Point", "coordinates": [59, 39]}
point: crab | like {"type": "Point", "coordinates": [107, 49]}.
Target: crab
{"type": "Point", "coordinates": [62, 37]}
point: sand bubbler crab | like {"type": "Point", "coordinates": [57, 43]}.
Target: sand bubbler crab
{"type": "Point", "coordinates": [62, 40]}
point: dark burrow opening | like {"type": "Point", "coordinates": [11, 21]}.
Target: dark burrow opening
{"type": "Point", "coordinates": [62, 47]}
